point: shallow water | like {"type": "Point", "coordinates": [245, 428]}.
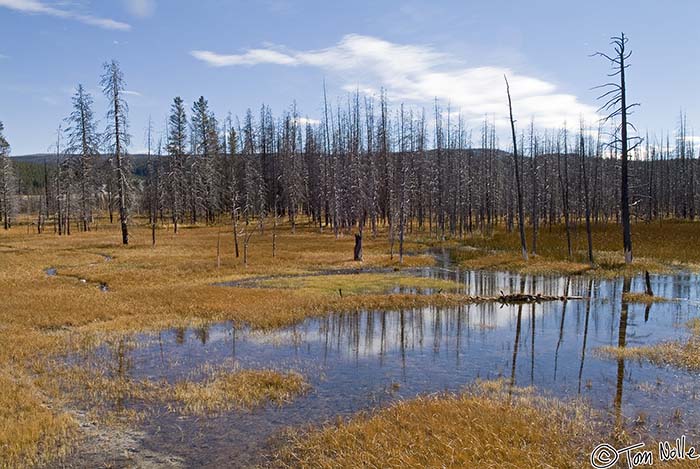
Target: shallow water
{"type": "Point", "coordinates": [366, 360]}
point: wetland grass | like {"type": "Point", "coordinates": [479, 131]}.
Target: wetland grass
{"type": "Point", "coordinates": [173, 284]}
{"type": "Point", "coordinates": [683, 353]}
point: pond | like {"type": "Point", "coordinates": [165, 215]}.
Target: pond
{"type": "Point", "coordinates": [367, 360]}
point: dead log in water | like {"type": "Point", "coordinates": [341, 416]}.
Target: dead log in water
{"type": "Point", "coordinates": [537, 298]}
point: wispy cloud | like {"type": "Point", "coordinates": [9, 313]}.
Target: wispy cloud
{"type": "Point", "coordinates": [251, 57]}
{"type": "Point", "coordinates": [132, 93]}
{"type": "Point", "coordinates": [141, 8]}
{"type": "Point", "coordinates": [42, 8]}
{"type": "Point", "coordinates": [3, 56]}
{"type": "Point", "coordinates": [418, 74]}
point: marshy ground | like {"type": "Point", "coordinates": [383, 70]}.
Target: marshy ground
{"type": "Point", "coordinates": [160, 356]}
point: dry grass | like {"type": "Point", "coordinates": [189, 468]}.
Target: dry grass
{"type": "Point", "coordinates": [682, 353]}
{"type": "Point", "coordinates": [30, 431]}
{"type": "Point", "coordinates": [636, 297]}
{"type": "Point", "coordinates": [244, 389]}
{"type": "Point", "coordinates": [208, 390]}
{"type": "Point", "coordinates": [490, 425]}
{"type": "Point", "coordinates": [658, 247]}
{"type": "Point", "coordinates": [362, 284]}
{"type": "Point", "coordinates": [149, 289]}
{"type": "Point", "coordinates": [172, 284]}
{"type": "Point", "coordinates": [486, 427]}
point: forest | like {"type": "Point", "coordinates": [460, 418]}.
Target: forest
{"type": "Point", "coordinates": [386, 286]}
{"type": "Point", "coordinates": [363, 166]}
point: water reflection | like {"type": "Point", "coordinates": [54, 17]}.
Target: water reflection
{"type": "Point", "coordinates": [621, 342]}
{"type": "Point", "coordinates": [363, 360]}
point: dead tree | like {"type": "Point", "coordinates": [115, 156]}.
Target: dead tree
{"type": "Point", "coordinates": [586, 196]}
{"type": "Point", "coordinates": [616, 106]}
{"type": "Point", "coordinates": [521, 213]}
{"type": "Point", "coordinates": [8, 183]}
{"type": "Point", "coordinates": [117, 134]}
{"type": "Point", "coordinates": [358, 247]}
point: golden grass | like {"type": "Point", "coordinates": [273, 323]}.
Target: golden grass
{"type": "Point", "coordinates": [362, 284]}
{"type": "Point", "coordinates": [636, 297]}
{"type": "Point", "coordinates": [491, 425]}
{"type": "Point", "coordinates": [111, 397]}
{"type": "Point", "coordinates": [657, 247]}
{"type": "Point", "coordinates": [485, 427]}
{"type": "Point", "coordinates": [172, 284]}
{"type": "Point", "coordinates": [242, 389]}
{"type": "Point", "coordinates": [30, 431]}
{"type": "Point", "coordinates": [150, 288]}
{"type": "Point", "coordinates": [681, 353]}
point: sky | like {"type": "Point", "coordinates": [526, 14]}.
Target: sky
{"type": "Point", "coordinates": [240, 54]}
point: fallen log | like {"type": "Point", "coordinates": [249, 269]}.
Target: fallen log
{"type": "Point", "coordinates": [527, 298]}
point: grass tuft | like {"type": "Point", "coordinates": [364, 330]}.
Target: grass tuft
{"type": "Point", "coordinates": [487, 426]}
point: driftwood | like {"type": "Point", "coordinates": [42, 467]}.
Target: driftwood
{"type": "Point", "coordinates": [538, 298]}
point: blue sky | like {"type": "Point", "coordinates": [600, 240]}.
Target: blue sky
{"type": "Point", "coordinates": [239, 54]}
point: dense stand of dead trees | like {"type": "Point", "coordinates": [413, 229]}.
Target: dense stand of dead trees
{"type": "Point", "coordinates": [363, 167]}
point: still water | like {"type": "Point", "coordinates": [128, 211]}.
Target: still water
{"type": "Point", "coordinates": [367, 360]}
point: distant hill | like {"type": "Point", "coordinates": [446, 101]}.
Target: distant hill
{"type": "Point", "coordinates": [38, 158]}
{"type": "Point", "coordinates": [30, 169]}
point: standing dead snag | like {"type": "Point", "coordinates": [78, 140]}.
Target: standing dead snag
{"type": "Point", "coordinates": [586, 196]}
{"type": "Point", "coordinates": [616, 105]}
{"type": "Point", "coordinates": [117, 134]}
{"type": "Point", "coordinates": [521, 222]}
{"type": "Point", "coordinates": [8, 182]}
{"type": "Point", "coordinates": [358, 247]}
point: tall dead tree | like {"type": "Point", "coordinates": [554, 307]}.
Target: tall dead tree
{"type": "Point", "coordinates": [117, 134]}
{"type": "Point", "coordinates": [8, 182]}
{"type": "Point", "coordinates": [586, 195]}
{"type": "Point", "coordinates": [82, 140]}
{"type": "Point", "coordinates": [521, 212]}
{"type": "Point", "coordinates": [616, 106]}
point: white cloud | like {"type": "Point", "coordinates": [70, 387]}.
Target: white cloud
{"type": "Point", "coordinates": [252, 57]}
{"type": "Point", "coordinates": [418, 74]}
{"type": "Point", "coordinates": [306, 120]}
{"type": "Point", "coordinates": [39, 7]}
{"type": "Point", "coordinates": [132, 93]}
{"type": "Point", "coordinates": [141, 8]}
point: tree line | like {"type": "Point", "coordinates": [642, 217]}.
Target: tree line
{"type": "Point", "coordinates": [363, 167]}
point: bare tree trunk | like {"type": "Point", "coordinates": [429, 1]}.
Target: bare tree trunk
{"type": "Point", "coordinates": [521, 215]}
{"type": "Point", "coordinates": [589, 236]}
{"type": "Point", "coordinates": [235, 230]}
{"type": "Point", "coordinates": [624, 184]}
{"type": "Point", "coordinates": [358, 247]}
{"type": "Point", "coordinates": [218, 249]}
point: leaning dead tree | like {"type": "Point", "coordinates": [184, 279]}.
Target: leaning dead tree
{"type": "Point", "coordinates": [616, 107]}
{"type": "Point", "coordinates": [521, 211]}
